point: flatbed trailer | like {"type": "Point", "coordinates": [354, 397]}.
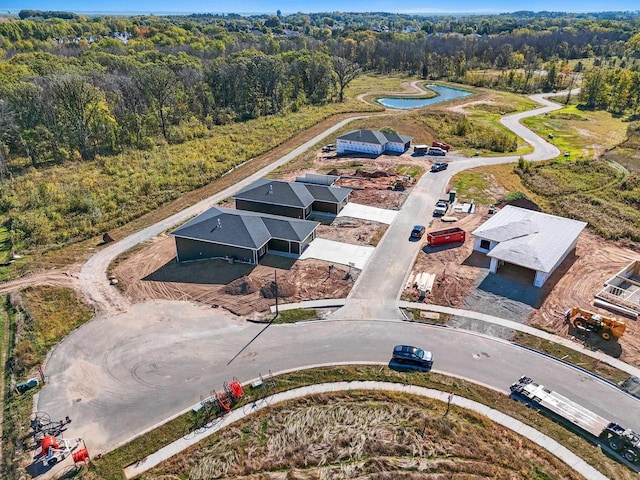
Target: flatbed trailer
{"type": "Point", "coordinates": [621, 442]}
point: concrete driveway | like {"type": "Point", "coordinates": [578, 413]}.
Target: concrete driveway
{"type": "Point", "coordinates": [367, 212]}
{"type": "Point", "coordinates": [338, 252]}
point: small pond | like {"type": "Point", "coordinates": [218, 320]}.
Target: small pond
{"type": "Point", "coordinates": [444, 95]}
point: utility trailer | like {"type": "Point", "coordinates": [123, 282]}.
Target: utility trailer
{"type": "Point", "coordinates": [449, 235]}
{"type": "Point", "coordinates": [622, 442]}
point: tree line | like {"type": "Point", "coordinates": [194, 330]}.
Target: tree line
{"type": "Point", "coordinates": [174, 77]}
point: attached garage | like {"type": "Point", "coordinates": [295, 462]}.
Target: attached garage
{"type": "Point", "coordinates": [532, 240]}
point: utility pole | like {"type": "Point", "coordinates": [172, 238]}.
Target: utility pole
{"type": "Point", "coordinates": [275, 281]}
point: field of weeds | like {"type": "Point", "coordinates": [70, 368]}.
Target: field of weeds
{"type": "Point", "coordinates": [364, 435]}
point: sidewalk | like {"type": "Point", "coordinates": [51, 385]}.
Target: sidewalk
{"type": "Point", "coordinates": [553, 447]}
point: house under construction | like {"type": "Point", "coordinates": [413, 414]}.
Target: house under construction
{"type": "Point", "coordinates": [621, 292]}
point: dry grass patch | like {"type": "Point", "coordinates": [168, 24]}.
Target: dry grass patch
{"type": "Point", "coordinates": [365, 435]}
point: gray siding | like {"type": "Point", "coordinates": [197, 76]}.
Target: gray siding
{"type": "Point", "coordinates": [291, 212]}
{"type": "Point", "coordinates": [188, 250]}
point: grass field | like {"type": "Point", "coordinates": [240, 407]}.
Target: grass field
{"type": "Point", "coordinates": [49, 314]}
{"type": "Point", "coordinates": [583, 134]}
{"type": "Point", "coordinates": [366, 435]}
{"type": "Point", "coordinates": [110, 465]}
{"type": "Point", "coordinates": [585, 185]}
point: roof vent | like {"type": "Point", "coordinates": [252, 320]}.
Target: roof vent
{"type": "Point", "coordinates": [270, 189]}
{"type": "Point", "coordinates": [219, 224]}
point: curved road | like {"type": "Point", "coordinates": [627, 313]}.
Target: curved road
{"type": "Point", "coordinates": [123, 372]}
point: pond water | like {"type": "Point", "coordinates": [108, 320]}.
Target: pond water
{"type": "Point", "coordinates": [444, 95]}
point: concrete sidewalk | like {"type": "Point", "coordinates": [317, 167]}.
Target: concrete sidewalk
{"type": "Point", "coordinates": [553, 447]}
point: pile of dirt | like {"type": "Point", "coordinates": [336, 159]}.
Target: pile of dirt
{"type": "Point", "coordinates": [241, 286]}
{"type": "Point", "coordinates": [376, 174]}
{"type": "Point", "coordinates": [284, 289]}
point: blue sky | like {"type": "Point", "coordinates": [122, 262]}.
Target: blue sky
{"type": "Point", "coordinates": [292, 6]}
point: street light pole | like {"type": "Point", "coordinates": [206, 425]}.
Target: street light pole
{"type": "Point", "coordinates": [275, 281]}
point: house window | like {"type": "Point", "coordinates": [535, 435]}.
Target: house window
{"type": "Point", "coordinates": [485, 244]}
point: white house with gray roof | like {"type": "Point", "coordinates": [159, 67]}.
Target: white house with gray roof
{"type": "Point", "coordinates": [534, 240]}
{"type": "Point", "coordinates": [372, 142]}
{"type": "Point", "coordinates": [243, 236]}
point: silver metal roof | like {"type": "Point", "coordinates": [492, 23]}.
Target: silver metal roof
{"type": "Point", "coordinates": [530, 239]}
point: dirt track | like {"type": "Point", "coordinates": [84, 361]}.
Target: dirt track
{"type": "Point", "coordinates": [56, 278]}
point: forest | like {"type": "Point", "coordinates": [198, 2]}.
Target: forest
{"type": "Point", "coordinates": [90, 90]}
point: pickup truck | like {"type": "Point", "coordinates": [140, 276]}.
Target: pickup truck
{"type": "Point", "coordinates": [441, 208]}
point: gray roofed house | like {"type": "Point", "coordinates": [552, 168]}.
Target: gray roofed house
{"type": "Point", "coordinates": [241, 235]}
{"type": "Point", "coordinates": [372, 142]}
{"type": "Point", "coordinates": [534, 240]}
{"type": "Point", "coordinates": [291, 199]}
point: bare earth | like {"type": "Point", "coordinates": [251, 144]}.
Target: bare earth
{"type": "Point", "coordinates": [153, 273]}
{"type": "Point", "coordinates": [575, 283]}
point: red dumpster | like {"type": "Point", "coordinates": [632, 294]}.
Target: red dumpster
{"type": "Point", "coordinates": [450, 235]}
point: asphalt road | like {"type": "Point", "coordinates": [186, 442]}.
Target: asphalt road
{"type": "Point", "coordinates": [122, 373]}
{"type": "Point", "coordinates": [138, 368]}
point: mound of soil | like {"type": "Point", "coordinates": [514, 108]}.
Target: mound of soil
{"type": "Point", "coordinates": [376, 174]}
{"type": "Point", "coordinates": [241, 286]}
{"type": "Point", "coordinates": [284, 289]}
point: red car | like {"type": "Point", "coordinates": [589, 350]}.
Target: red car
{"type": "Point", "coordinates": [442, 145]}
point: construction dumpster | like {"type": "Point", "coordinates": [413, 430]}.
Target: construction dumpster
{"type": "Point", "coordinates": [450, 235]}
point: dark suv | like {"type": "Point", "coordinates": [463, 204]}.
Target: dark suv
{"type": "Point", "coordinates": [439, 166]}
{"type": "Point", "coordinates": [411, 357]}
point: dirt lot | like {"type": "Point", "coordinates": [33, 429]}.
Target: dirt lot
{"type": "Point", "coordinates": [152, 271]}
{"type": "Point", "coordinates": [461, 280]}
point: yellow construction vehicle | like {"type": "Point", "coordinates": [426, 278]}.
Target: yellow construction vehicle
{"type": "Point", "coordinates": [593, 322]}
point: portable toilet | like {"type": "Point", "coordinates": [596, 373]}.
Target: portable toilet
{"type": "Point", "coordinates": [452, 196]}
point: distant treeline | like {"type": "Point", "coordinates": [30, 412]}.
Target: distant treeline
{"type": "Point", "coordinates": [74, 86]}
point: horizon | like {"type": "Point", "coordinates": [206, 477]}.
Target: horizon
{"type": "Point", "coordinates": [289, 7]}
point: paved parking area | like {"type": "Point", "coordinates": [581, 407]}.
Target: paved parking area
{"type": "Point", "coordinates": [367, 212]}
{"type": "Point", "coordinates": [338, 252]}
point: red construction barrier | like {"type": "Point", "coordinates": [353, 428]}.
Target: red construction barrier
{"type": "Point", "coordinates": [236, 389]}
{"type": "Point", "coordinates": [81, 456]}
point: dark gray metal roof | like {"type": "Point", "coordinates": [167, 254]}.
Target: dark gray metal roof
{"type": "Point", "coordinates": [276, 192]}
{"type": "Point", "coordinates": [328, 194]}
{"type": "Point", "coordinates": [291, 194]}
{"type": "Point", "coordinates": [243, 229]}
{"type": "Point", "coordinates": [375, 137]}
